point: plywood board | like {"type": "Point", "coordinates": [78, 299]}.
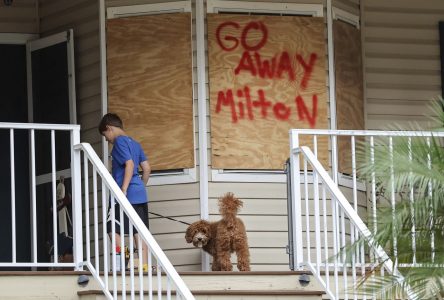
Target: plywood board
{"type": "Point", "coordinates": [349, 87]}
{"type": "Point", "coordinates": [267, 75]}
{"type": "Point", "coordinates": [149, 66]}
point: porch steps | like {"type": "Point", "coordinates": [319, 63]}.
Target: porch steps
{"type": "Point", "coordinates": [63, 285]}
{"type": "Point", "coordinates": [239, 285]}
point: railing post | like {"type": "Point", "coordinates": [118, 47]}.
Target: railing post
{"type": "Point", "coordinates": [76, 200]}
{"type": "Point", "coordinates": [296, 214]}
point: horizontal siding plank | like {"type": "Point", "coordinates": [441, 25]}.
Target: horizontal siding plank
{"type": "Point", "coordinates": [256, 207]}
{"type": "Point", "coordinates": [12, 13]}
{"type": "Point", "coordinates": [402, 86]}
{"type": "Point", "coordinates": [248, 190]}
{"type": "Point", "coordinates": [184, 256]}
{"type": "Point", "coordinates": [410, 17]}
{"type": "Point", "coordinates": [398, 107]}
{"type": "Point", "coordinates": [428, 34]}
{"type": "Point", "coordinates": [402, 94]}
{"type": "Point", "coordinates": [400, 65]}
{"type": "Point", "coordinates": [384, 47]}
{"type": "Point", "coordinates": [409, 79]}
{"type": "Point", "coordinates": [88, 74]}
{"type": "Point", "coordinates": [87, 59]}
{"type": "Point", "coordinates": [397, 4]}
{"type": "Point", "coordinates": [89, 105]}
{"type": "Point", "coordinates": [275, 207]}
{"type": "Point", "coordinates": [382, 122]}
{"type": "Point", "coordinates": [172, 192]}
{"type": "Point", "coordinates": [50, 8]}
{"type": "Point", "coordinates": [255, 240]}
{"type": "Point", "coordinates": [18, 27]}
{"type": "Point", "coordinates": [174, 208]}
{"type": "Point", "coordinates": [84, 12]}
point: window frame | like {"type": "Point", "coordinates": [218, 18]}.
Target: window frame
{"type": "Point", "coordinates": [248, 7]}
{"type": "Point", "coordinates": [175, 176]}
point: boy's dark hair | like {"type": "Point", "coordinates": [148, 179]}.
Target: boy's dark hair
{"type": "Point", "coordinates": [110, 119]}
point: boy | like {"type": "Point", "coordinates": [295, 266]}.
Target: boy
{"type": "Point", "coordinates": [127, 155]}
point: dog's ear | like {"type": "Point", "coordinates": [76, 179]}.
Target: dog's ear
{"type": "Point", "coordinates": [189, 235]}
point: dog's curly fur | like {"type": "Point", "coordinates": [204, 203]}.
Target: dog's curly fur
{"type": "Point", "coordinates": [223, 237]}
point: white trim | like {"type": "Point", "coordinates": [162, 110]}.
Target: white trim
{"type": "Point", "coordinates": [103, 77]}
{"type": "Point", "coordinates": [148, 9]}
{"type": "Point", "coordinates": [222, 175]}
{"type": "Point", "coordinates": [331, 67]}
{"type": "Point", "coordinates": [71, 77]}
{"type": "Point", "coordinates": [202, 109]}
{"type": "Point", "coordinates": [39, 126]}
{"type": "Point", "coordinates": [216, 6]}
{"type": "Point", "coordinates": [202, 117]}
{"type": "Point", "coordinates": [188, 175]}
{"type": "Point", "coordinates": [49, 40]}
{"type": "Point", "coordinates": [342, 15]}
{"type": "Point", "coordinates": [17, 38]}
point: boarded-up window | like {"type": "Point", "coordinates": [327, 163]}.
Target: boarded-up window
{"type": "Point", "coordinates": [267, 75]}
{"type": "Point", "coordinates": [349, 87]}
{"type": "Point", "coordinates": [149, 66]}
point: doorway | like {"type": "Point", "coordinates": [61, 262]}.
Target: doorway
{"type": "Point", "coordinates": [37, 84]}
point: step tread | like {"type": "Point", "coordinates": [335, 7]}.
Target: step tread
{"type": "Point", "coordinates": [43, 273]}
{"type": "Point", "coordinates": [224, 292]}
{"type": "Point", "coordinates": [186, 273]}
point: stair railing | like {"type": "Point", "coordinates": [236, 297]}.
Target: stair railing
{"type": "Point", "coordinates": [343, 220]}
{"type": "Point", "coordinates": [325, 222]}
{"type": "Point", "coordinates": [99, 192]}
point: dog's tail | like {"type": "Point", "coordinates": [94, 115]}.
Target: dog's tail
{"type": "Point", "coordinates": [228, 208]}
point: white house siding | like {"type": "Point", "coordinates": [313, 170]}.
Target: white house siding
{"type": "Point", "coordinates": [21, 17]}
{"type": "Point", "coordinates": [402, 64]}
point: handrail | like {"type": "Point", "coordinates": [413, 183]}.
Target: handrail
{"type": "Point", "coordinates": [386, 133]}
{"type": "Point", "coordinates": [135, 219]}
{"type": "Point", "coordinates": [350, 212]}
{"type": "Point", "coordinates": [39, 126]}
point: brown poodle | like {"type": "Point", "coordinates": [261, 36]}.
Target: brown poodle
{"type": "Point", "coordinates": [223, 237]}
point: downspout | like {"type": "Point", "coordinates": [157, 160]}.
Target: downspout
{"type": "Point", "coordinates": [332, 88]}
{"type": "Point", "coordinates": [202, 116]}
{"type": "Point", "coordinates": [103, 82]}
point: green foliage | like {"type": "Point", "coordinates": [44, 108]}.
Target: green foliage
{"type": "Point", "coordinates": [411, 171]}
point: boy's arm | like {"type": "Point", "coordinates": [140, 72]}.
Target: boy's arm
{"type": "Point", "coordinates": [146, 171]}
{"type": "Point", "coordinates": [129, 169]}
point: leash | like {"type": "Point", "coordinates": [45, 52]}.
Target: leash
{"type": "Point", "coordinates": [172, 219]}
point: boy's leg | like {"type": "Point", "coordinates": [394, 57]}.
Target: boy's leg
{"type": "Point", "coordinates": [144, 255]}
{"type": "Point", "coordinates": [117, 228]}
{"type": "Point", "coordinates": [142, 211]}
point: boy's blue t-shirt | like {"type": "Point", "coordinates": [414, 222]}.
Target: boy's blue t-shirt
{"type": "Point", "coordinates": [124, 149]}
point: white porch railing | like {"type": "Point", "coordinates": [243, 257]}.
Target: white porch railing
{"type": "Point", "coordinates": [26, 142]}
{"type": "Point", "coordinates": [96, 239]}
{"type": "Point", "coordinates": [325, 222]}
{"type": "Point", "coordinates": [93, 190]}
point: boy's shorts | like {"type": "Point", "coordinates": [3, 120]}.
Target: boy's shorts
{"type": "Point", "coordinates": [141, 210]}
